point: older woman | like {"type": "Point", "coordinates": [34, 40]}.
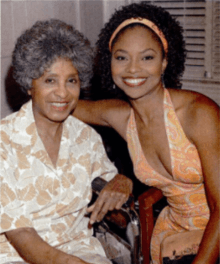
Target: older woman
{"type": "Point", "coordinates": [49, 158]}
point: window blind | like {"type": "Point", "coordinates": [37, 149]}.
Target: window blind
{"type": "Point", "coordinates": [216, 41]}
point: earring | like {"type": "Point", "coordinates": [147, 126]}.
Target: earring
{"type": "Point", "coordinates": [162, 80]}
{"type": "Point", "coordinates": [114, 87]}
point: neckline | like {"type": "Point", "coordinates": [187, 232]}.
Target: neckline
{"type": "Point", "coordinates": [165, 101]}
{"type": "Point", "coordinates": [40, 144]}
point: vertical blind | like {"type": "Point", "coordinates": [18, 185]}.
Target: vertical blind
{"type": "Point", "coordinates": [201, 49]}
{"type": "Point", "coordinates": [216, 41]}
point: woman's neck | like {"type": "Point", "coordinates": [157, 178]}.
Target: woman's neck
{"type": "Point", "coordinates": [50, 134]}
{"type": "Point", "coordinates": [149, 106]}
{"type": "Point", "coordinates": [48, 128]}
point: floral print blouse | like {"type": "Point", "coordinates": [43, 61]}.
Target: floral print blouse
{"type": "Point", "coordinates": [52, 200]}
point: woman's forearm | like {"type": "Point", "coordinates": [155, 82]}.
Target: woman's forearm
{"type": "Point", "coordinates": [209, 247]}
{"type": "Point", "coordinates": [90, 112]}
{"type": "Point", "coordinates": [33, 249]}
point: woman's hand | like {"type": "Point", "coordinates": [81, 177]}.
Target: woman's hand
{"type": "Point", "coordinates": [113, 196]}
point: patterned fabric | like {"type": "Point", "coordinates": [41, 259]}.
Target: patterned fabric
{"type": "Point", "coordinates": [53, 200]}
{"type": "Point", "coordinates": [188, 209]}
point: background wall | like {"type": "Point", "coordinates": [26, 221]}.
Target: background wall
{"type": "Point", "coordinates": [16, 16]}
{"type": "Point", "coordinates": [87, 16]}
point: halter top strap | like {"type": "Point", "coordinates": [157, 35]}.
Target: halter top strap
{"type": "Point", "coordinates": [184, 155]}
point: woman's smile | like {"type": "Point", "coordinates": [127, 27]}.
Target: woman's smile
{"type": "Point", "coordinates": [60, 106]}
{"type": "Point", "coordinates": [133, 82]}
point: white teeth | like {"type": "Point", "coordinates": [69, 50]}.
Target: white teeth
{"type": "Point", "coordinates": [134, 81]}
{"type": "Point", "coordinates": [59, 104]}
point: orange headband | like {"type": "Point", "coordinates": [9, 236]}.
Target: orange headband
{"type": "Point", "coordinates": [141, 21]}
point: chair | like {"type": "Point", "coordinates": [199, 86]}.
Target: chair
{"type": "Point", "coordinates": [132, 226]}
{"type": "Point", "coordinates": [119, 232]}
{"type": "Point", "coordinates": [147, 219]}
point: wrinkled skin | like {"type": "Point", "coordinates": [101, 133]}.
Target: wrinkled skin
{"type": "Point", "coordinates": [113, 196]}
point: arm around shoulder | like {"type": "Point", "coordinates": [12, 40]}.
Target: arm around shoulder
{"type": "Point", "coordinates": [112, 112]}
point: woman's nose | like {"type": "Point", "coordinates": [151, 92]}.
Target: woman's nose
{"type": "Point", "coordinates": [61, 90]}
{"type": "Point", "coordinates": [133, 66]}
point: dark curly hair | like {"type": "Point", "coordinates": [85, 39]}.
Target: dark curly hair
{"type": "Point", "coordinates": [171, 29]}
{"type": "Point", "coordinates": [38, 47]}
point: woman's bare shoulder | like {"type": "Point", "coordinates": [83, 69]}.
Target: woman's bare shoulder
{"type": "Point", "coordinates": [192, 101]}
{"type": "Point", "coordinates": [195, 111]}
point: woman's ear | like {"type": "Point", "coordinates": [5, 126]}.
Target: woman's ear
{"type": "Point", "coordinates": [29, 92]}
{"type": "Point", "coordinates": [164, 64]}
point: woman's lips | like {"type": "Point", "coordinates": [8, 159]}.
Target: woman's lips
{"type": "Point", "coordinates": [132, 82]}
{"type": "Point", "coordinates": [60, 106]}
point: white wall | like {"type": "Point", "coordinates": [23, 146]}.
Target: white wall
{"type": "Point", "coordinates": [16, 16]}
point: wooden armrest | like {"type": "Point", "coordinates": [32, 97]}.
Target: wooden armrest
{"type": "Point", "coordinates": [146, 202]}
{"type": "Point", "coordinates": [150, 197]}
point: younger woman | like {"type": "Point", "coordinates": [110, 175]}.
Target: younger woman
{"type": "Point", "coordinates": [172, 134]}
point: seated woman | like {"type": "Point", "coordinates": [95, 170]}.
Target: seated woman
{"type": "Point", "coordinates": [172, 135]}
{"type": "Point", "coordinates": [49, 158]}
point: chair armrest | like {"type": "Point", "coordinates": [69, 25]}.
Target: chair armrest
{"type": "Point", "coordinates": [150, 197]}
{"type": "Point", "coordinates": [146, 202]}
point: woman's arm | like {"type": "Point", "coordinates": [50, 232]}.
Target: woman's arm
{"type": "Point", "coordinates": [203, 123]}
{"type": "Point", "coordinates": [33, 249]}
{"type": "Point", "coordinates": [112, 113]}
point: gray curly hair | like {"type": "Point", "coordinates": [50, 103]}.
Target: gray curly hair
{"type": "Point", "coordinates": [38, 47]}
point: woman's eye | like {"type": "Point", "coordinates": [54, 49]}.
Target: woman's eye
{"type": "Point", "coordinates": [120, 58]}
{"type": "Point", "coordinates": [49, 80]}
{"type": "Point", "coordinates": [148, 58]}
{"type": "Point", "coordinates": [72, 80]}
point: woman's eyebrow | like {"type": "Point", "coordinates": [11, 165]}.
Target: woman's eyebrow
{"type": "Point", "coordinates": [121, 50]}
{"type": "Point", "coordinates": [143, 51]}
{"type": "Point", "coordinates": [148, 50]}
